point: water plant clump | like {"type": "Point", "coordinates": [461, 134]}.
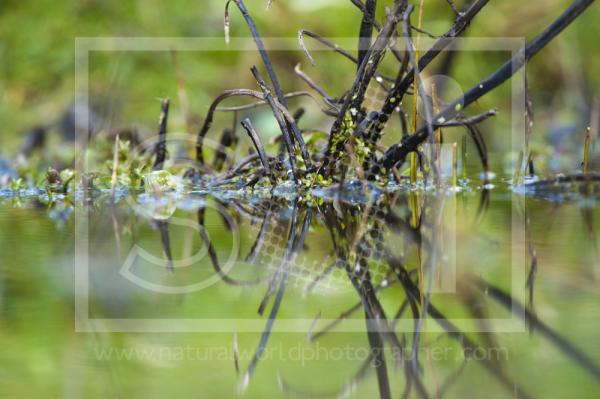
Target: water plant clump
{"type": "Point", "coordinates": [307, 159]}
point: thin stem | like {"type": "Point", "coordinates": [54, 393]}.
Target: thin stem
{"type": "Point", "coordinates": [397, 153]}
{"type": "Point", "coordinates": [161, 148]}
{"type": "Point", "coordinates": [247, 125]}
{"type": "Point", "coordinates": [366, 30]}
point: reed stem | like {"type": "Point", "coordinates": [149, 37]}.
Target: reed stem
{"type": "Point", "coordinates": [586, 150]}
{"type": "Point", "coordinates": [413, 155]}
{"type": "Point", "coordinates": [455, 165]}
{"type": "Point", "coordinates": [463, 156]}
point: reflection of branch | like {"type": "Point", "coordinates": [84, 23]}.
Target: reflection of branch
{"type": "Point", "coordinates": [318, 278]}
{"type": "Point", "coordinates": [214, 259]}
{"type": "Point", "coordinates": [531, 276]}
{"type": "Point", "coordinates": [346, 390]}
{"type": "Point", "coordinates": [294, 94]}
{"type": "Point", "coordinates": [376, 344]}
{"type": "Point", "coordinates": [258, 243]}
{"type": "Point", "coordinates": [366, 29]}
{"type": "Point", "coordinates": [438, 207]}
{"type": "Point", "coordinates": [295, 244]}
{"type": "Point", "coordinates": [351, 384]}
{"type": "Point", "coordinates": [341, 317]}
{"type": "Point", "coordinates": [163, 228]}
{"type": "Point", "coordinates": [455, 333]}
{"type": "Point", "coordinates": [561, 343]}
{"type": "Point", "coordinates": [484, 203]}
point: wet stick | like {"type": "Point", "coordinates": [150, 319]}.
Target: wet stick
{"type": "Point", "coordinates": [214, 107]}
{"type": "Point", "coordinates": [247, 125]}
{"type": "Point", "coordinates": [355, 96]}
{"type": "Point", "coordinates": [161, 147]}
{"type": "Point", "coordinates": [418, 83]}
{"type": "Point", "coordinates": [413, 167]}
{"type": "Point", "coordinates": [413, 155]}
{"type": "Point", "coordinates": [277, 113]}
{"type": "Point", "coordinates": [366, 30]}
{"type": "Point", "coordinates": [404, 81]}
{"type": "Point", "coordinates": [297, 136]}
{"type": "Point", "coordinates": [530, 164]}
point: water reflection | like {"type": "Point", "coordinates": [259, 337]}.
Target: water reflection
{"type": "Point", "coordinates": [418, 274]}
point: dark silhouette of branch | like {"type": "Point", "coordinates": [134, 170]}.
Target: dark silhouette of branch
{"type": "Point", "coordinates": [398, 152]}
{"type": "Point", "coordinates": [161, 147]}
{"type": "Point", "coordinates": [366, 30]}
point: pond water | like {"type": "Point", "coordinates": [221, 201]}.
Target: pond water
{"type": "Point", "coordinates": [463, 294]}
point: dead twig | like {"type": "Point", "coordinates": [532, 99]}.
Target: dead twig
{"type": "Point", "coordinates": [247, 125]}
{"type": "Point", "coordinates": [270, 70]}
{"type": "Point", "coordinates": [161, 147]}
{"type": "Point", "coordinates": [397, 153]}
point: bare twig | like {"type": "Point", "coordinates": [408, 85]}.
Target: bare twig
{"type": "Point", "coordinates": [294, 94]}
{"type": "Point", "coordinates": [397, 153]}
{"type": "Point", "coordinates": [403, 82]}
{"type": "Point", "coordinates": [270, 71]}
{"type": "Point", "coordinates": [377, 26]}
{"type": "Point", "coordinates": [208, 120]}
{"type": "Point", "coordinates": [115, 171]}
{"type": "Point", "coordinates": [335, 48]}
{"type": "Point", "coordinates": [280, 120]}
{"type": "Point", "coordinates": [228, 139]}
{"type": "Point", "coordinates": [161, 148]}
{"type": "Point", "coordinates": [247, 125]}
{"type": "Point", "coordinates": [561, 343]}
{"type": "Point", "coordinates": [471, 120]}
{"type": "Point", "coordinates": [312, 83]}
{"type": "Point", "coordinates": [366, 30]}
{"type": "Point", "coordinates": [453, 7]}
